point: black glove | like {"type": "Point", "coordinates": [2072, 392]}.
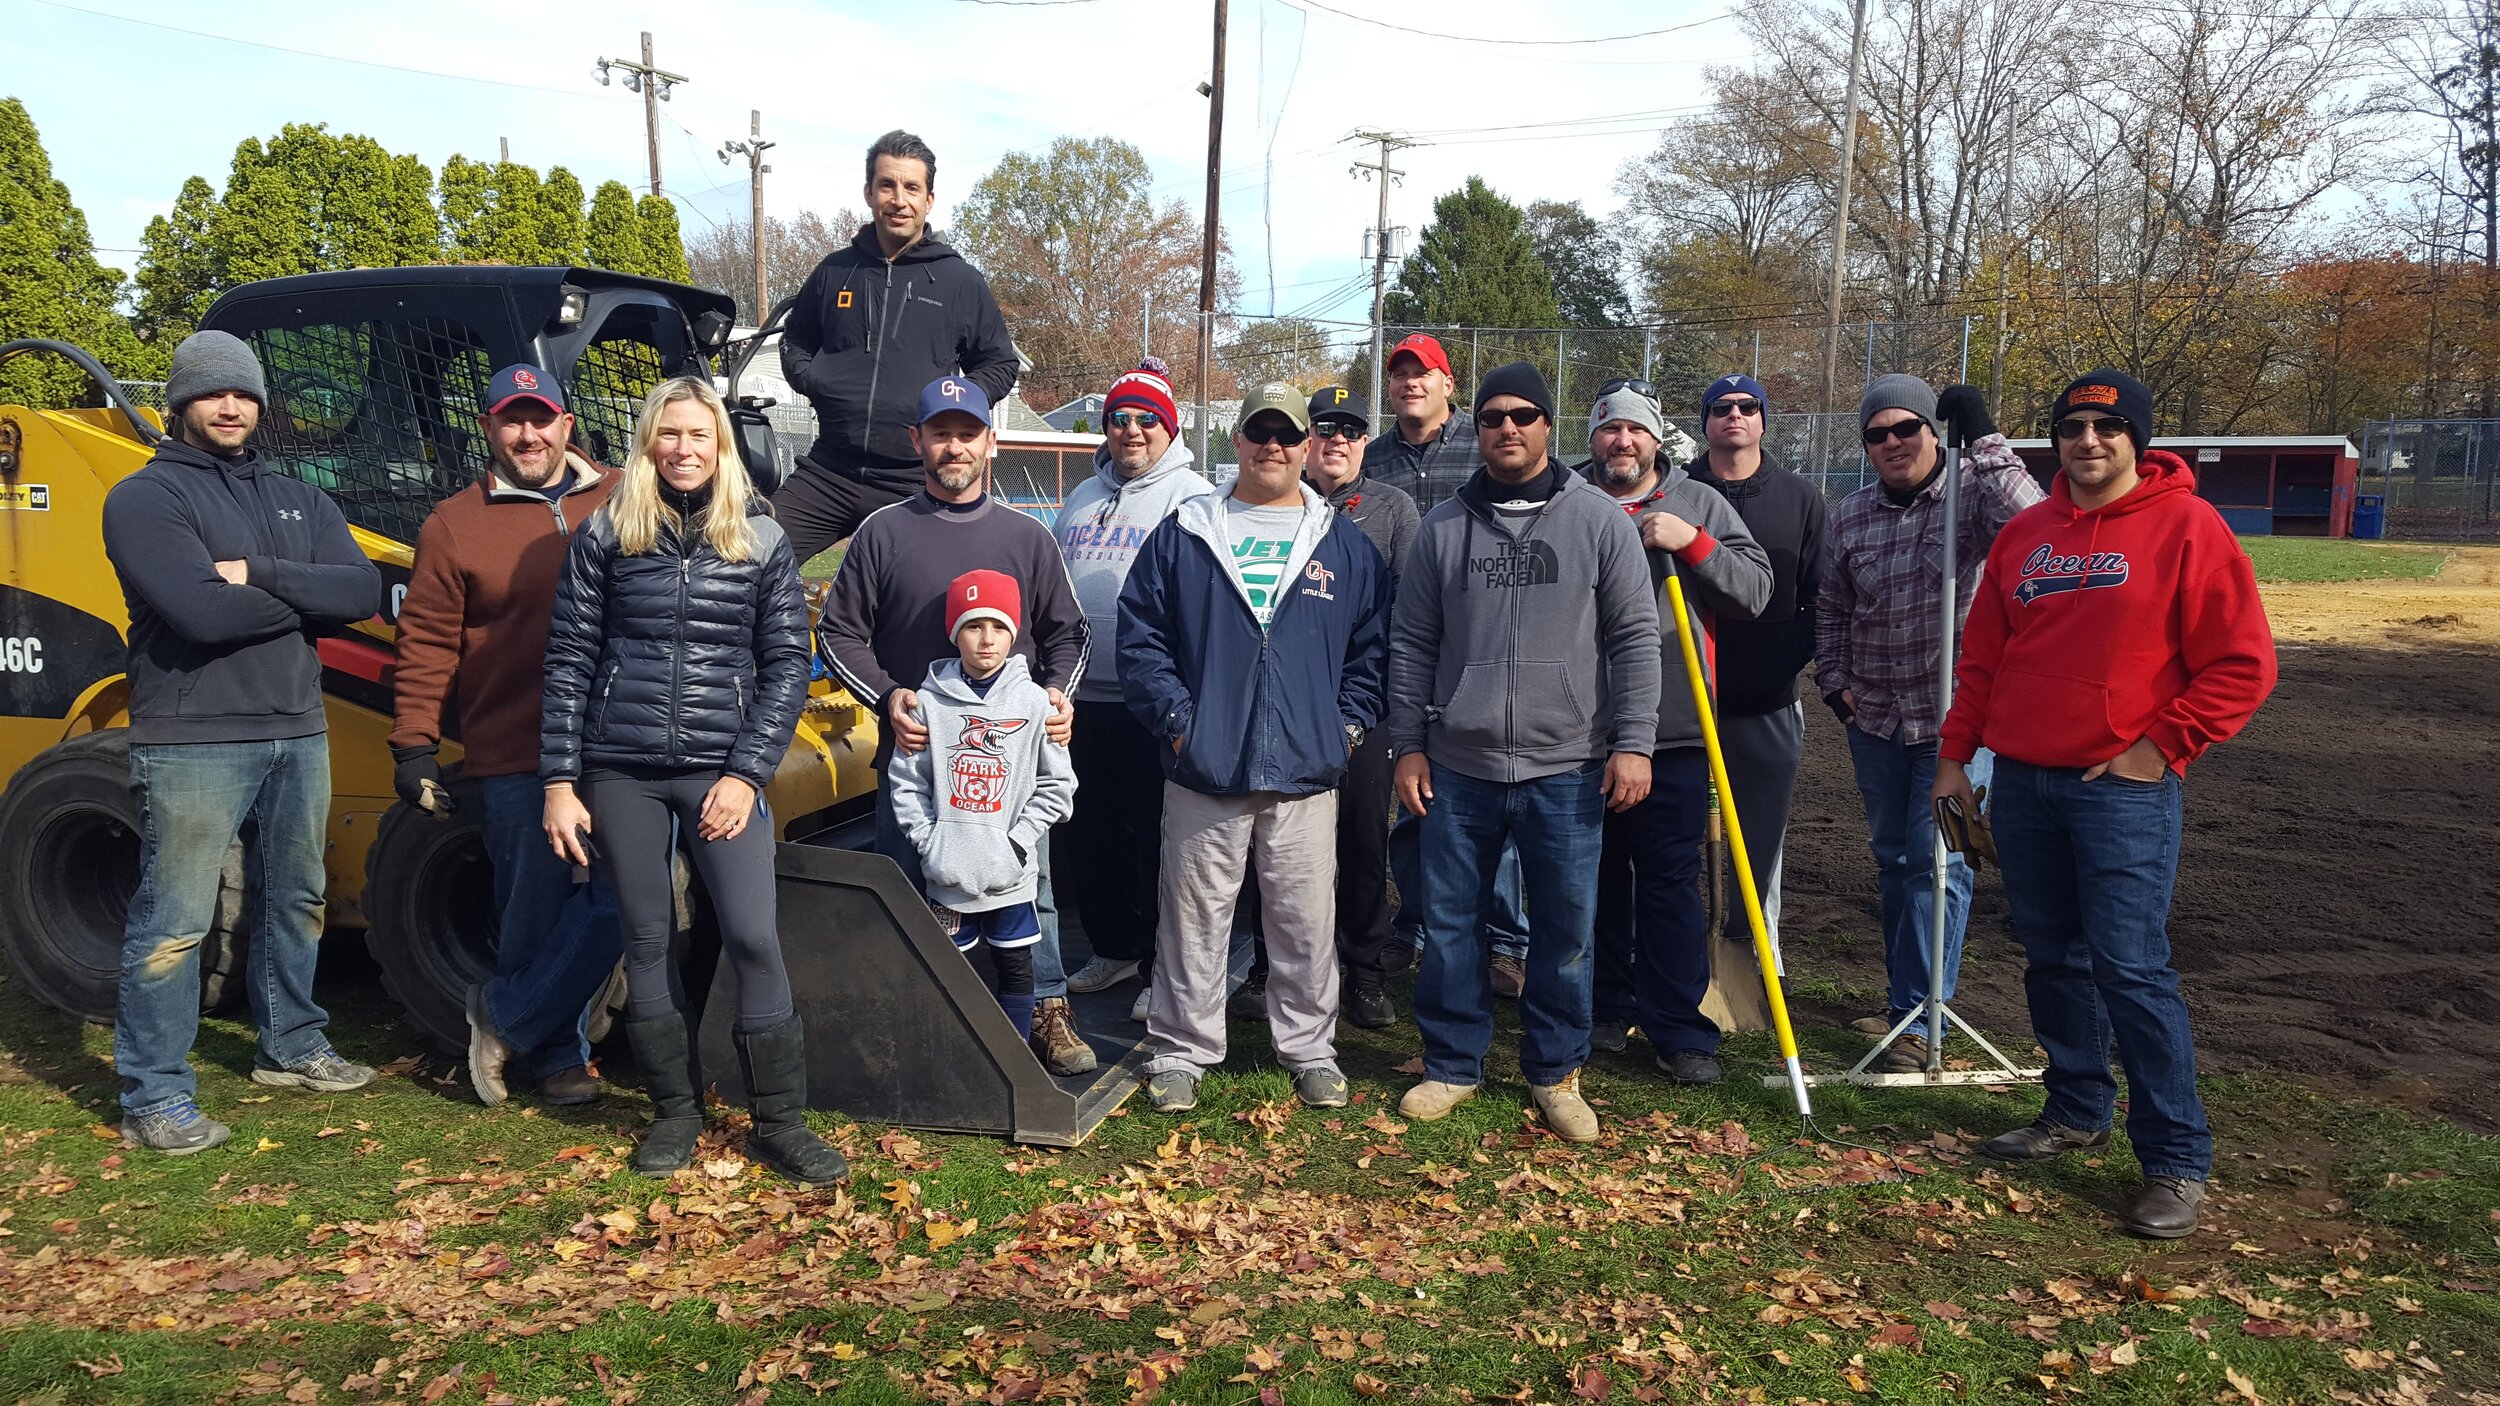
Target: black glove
{"type": "Point", "coordinates": [1838, 701]}
{"type": "Point", "coordinates": [1965, 411]}
{"type": "Point", "coordinates": [416, 766]}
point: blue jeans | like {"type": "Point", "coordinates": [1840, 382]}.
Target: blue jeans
{"type": "Point", "coordinates": [2089, 868]}
{"type": "Point", "coordinates": [1894, 780]}
{"type": "Point", "coordinates": [1050, 974]}
{"type": "Point", "coordinates": [1554, 820]}
{"type": "Point", "coordinates": [1506, 926]}
{"type": "Point", "coordinates": [1653, 932]}
{"type": "Point", "coordinates": [193, 799]}
{"type": "Point", "coordinates": [557, 941]}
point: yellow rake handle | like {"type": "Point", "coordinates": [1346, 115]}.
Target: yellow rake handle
{"type": "Point", "coordinates": [1763, 956]}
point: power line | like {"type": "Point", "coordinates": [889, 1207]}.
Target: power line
{"type": "Point", "coordinates": [304, 53]}
{"type": "Point", "coordinates": [1505, 41]}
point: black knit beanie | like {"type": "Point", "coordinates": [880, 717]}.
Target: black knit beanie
{"type": "Point", "coordinates": [2113, 391]}
{"type": "Point", "coordinates": [1518, 378]}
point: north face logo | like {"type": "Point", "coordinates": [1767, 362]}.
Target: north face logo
{"type": "Point", "coordinates": [1530, 563]}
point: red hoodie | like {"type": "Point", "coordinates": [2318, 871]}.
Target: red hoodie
{"type": "Point", "coordinates": [2095, 629]}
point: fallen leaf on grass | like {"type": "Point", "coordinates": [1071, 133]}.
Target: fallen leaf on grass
{"type": "Point", "coordinates": [724, 1168]}
{"type": "Point", "coordinates": [904, 1195]}
{"type": "Point", "coordinates": [943, 1233]}
{"type": "Point", "coordinates": [329, 1132]}
{"type": "Point", "coordinates": [2123, 1355]}
{"type": "Point", "coordinates": [260, 1098]}
{"type": "Point", "coordinates": [268, 1144]}
{"type": "Point", "coordinates": [1948, 1311]}
{"type": "Point", "coordinates": [98, 1130]}
{"type": "Point", "coordinates": [847, 1352]}
{"type": "Point", "coordinates": [2241, 1383]}
{"type": "Point", "coordinates": [443, 1385]}
{"type": "Point", "coordinates": [2242, 1247]}
{"type": "Point", "coordinates": [109, 1367]}
{"type": "Point", "coordinates": [1412, 1066]}
{"type": "Point", "coordinates": [1592, 1385]}
{"type": "Point", "coordinates": [1365, 1384]}
{"type": "Point", "coordinates": [574, 1154]}
{"type": "Point", "coordinates": [2366, 1360]}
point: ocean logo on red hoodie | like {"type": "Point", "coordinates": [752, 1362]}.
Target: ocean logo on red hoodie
{"type": "Point", "coordinates": [2047, 573]}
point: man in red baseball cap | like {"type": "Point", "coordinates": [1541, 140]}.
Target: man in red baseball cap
{"type": "Point", "coordinates": [1432, 451]}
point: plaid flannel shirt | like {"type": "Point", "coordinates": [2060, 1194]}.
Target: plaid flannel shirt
{"type": "Point", "coordinates": [1877, 632]}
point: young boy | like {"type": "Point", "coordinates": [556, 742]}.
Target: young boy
{"type": "Point", "coordinates": [1005, 784]}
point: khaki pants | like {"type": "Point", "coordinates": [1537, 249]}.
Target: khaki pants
{"type": "Point", "coordinates": [1209, 843]}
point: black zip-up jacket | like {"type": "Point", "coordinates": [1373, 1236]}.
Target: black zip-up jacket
{"type": "Point", "coordinates": [1759, 659]}
{"type": "Point", "coordinates": [866, 334]}
{"type": "Point", "coordinates": [675, 659]}
{"type": "Point", "coordinates": [211, 661]}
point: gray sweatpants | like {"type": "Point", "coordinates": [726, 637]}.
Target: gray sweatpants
{"type": "Point", "coordinates": [1209, 844]}
{"type": "Point", "coordinates": [1762, 755]}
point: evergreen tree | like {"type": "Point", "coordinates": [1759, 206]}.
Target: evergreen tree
{"type": "Point", "coordinates": [612, 234]}
{"type": "Point", "coordinates": [181, 267]}
{"type": "Point", "coordinates": [1474, 266]}
{"type": "Point", "coordinates": [663, 247]}
{"type": "Point", "coordinates": [560, 225]}
{"type": "Point", "coordinates": [54, 288]}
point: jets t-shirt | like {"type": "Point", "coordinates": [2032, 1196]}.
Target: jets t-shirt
{"type": "Point", "coordinates": [1262, 541]}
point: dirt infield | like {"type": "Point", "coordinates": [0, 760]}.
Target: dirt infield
{"type": "Point", "coordinates": [2338, 911]}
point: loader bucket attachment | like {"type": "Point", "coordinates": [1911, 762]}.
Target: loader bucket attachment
{"type": "Point", "coordinates": [900, 1028]}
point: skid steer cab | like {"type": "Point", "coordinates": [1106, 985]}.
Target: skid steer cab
{"type": "Point", "coordinates": [376, 380]}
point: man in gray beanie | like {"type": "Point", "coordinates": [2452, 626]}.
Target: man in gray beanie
{"type": "Point", "coordinates": [230, 570]}
{"type": "Point", "coordinates": [1878, 639]}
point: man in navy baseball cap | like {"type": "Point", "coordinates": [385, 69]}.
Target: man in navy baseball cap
{"type": "Point", "coordinates": [953, 393]}
{"type": "Point", "coordinates": [522, 381]}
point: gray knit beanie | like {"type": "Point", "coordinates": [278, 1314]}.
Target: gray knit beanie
{"type": "Point", "coordinates": [209, 362]}
{"type": "Point", "coordinates": [1630, 406]}
{"type": "Point", "coordinates": [1900, 391]}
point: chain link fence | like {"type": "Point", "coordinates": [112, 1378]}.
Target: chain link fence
{"type": "Point", "coordinates": [2434, 478]}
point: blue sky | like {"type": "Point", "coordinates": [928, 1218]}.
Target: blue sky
{"type": "Point", "coordinates": [128, 110]}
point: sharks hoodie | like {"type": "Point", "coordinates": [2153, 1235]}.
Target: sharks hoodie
{"type": "Point", "coordinates": [1101, 525]}
{"type": "Point", "coordinates": [2093, 629]}
{"type": "Point", "coordinates": [977, 800]}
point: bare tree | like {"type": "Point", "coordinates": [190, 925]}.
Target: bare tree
{"type": "Point", "coordinates": [722, 257]}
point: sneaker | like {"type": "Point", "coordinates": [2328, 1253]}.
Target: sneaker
{"type": "Point", "coordinates": [1321, 1088]}
{"type": "Point", "coordinates": [1566, 1113]}
{"type": "Point", "coordinates": [1907, 1055]}
{"type": "Point", "coordinates": [1172, 1092]}
{"type": "Point", "coordinates": [2041, 1140]}
{"type": "Point", "coordinates": [326, 1071]}
{"type": "Point", "coordinates": [1610, 1036]}
{"type": "Point", "coordinates": [568, 1087]}
{"type": "Point", "coordinates": [1510, 976]}
{"type": "Point", "coordinates": [1249, 1003]}
{"type": "Point", "coordinates": [1690, 1066]}
{"type": "Point", "coordinates": [2165, 1209]}
{"type": "Point", "coordinates": [1367, 1002]}
{"type": "Point", "coordinates": [1100, 974]}
{"type": "Point", "coordinates": [178, 1131]}
{"type": "Point", "coordinates": [1432, 1100]}
{"type": "Point", "coordinates": [1055, 1041]}
{"type": "Point", "coordinates": [489, 1052]}
{"type": "Point", "coordinates": [1145, 998]}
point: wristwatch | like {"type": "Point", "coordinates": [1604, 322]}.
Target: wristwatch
{"type": "Point", "coordinates": [1353, 736]}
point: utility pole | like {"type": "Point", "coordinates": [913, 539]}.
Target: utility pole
{"type": "Point", "coordinates": [1214, 90]}
{"type": "Point", "coordinates": [1840, 211]}
{"type": "Point", "coordinates": [654, 85]}
{"type": "Point", "coordinates": [503, 150]}
{"type": "Point", "coordinates": [1380, 170]}
{"type": "Point", "coordinates": [753, 149]}
{"type": "Point", "coordinates": [1146, 332]}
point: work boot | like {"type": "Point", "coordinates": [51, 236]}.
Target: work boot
{"type": "Point", "coordinates": [2041, 1140]}
{"type": "Point", "coordinates": [775, 1063]}
{"type": "Point", "coordinates": [1367, 1001]}
{"type": "Point", "coordinates": [568, 1087]}
{"type": "Point", "coordinates": [1510, 976]}
{"type": "Point", "coordinates": [489, 1052]}
{"type": "Point", "coordinates": [1907, 1055]}
{"type": "Point", "coordinates": [177, 1131]}
{"type": "Point", "coordinates": [1432, 1100]}
{"type": "Point", "coordinates": [1690, 1066]}
{"type": "Point", "coordinates": [1610, 1036]}
{"type": "Point", "coordinates": [1876, 1025]}
{"type": "Point", "coordinates": [1055, 1041]}
{"type": "Point", "coordinates": [1568, 1114]}
{"type": "Point", "coordinates": [673, 1078]}
{"type": "Point", "coordinates": [2165, 1209]}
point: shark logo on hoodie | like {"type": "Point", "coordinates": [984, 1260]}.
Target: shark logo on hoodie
{"type": "Point", "coordinates": [2046, 573]}
{"type": "Point", "coordinates": [979, 766]}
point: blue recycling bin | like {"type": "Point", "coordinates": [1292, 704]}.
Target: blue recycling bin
{"type": "Point", "coordinates": [2369, 516]}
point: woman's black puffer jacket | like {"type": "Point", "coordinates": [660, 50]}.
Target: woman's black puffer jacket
{"type": "Point", "coordinates": [675, 658]}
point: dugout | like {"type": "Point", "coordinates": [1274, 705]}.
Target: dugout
{"type": "Point", "coordinates": [2264, 485]}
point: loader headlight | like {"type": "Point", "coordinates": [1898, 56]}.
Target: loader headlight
{"type": "Point", "coordinates": [572, 307]}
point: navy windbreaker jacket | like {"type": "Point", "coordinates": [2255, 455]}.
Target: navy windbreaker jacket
{"type": "Point", "coordinates": [1256, 710]}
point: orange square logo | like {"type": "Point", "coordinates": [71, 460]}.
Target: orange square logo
{"type": "Point", "coordinates": [842, 299]}
{"type": "Point", "coordinates": [2093, 395]}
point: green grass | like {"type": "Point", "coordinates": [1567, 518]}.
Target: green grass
{"type": "Point", "coordinates": [1336, 1257]}
{"type": "Point", "coordinates": [2340, 559]}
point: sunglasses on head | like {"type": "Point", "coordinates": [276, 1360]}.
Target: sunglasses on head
{"type": "Point", "coordinates": [1521, 416]}
{"type": "Point", "coordinates": [2106, 426]}
{"type": "Point", "coordinates": [1633, 384]}
{"type": "Point", "coordinates": [1142, 419]}
{"type": "Point", "coordinates": [1906, 429]}
{"type": "Point", "coordinates": [1271, 432]}
{"type": "Point", "coordinates": [1337, 429]}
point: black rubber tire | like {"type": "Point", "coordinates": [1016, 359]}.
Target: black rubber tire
{"type": "Point", "coordinates": [430, 921]}
{"type": "Point", "coordinates": [69, 863]}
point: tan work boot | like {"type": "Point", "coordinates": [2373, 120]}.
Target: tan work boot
{"type": "Point", "coordinates": [1568, 1114]}
{"type": "Point", "coordinates": [1055, 1041]}
{"type": "Point", "coordinates": [1432, 1100]}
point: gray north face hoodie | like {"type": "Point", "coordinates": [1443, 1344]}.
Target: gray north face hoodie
{"type": "Point", "coordinates": [977, 800]}
{"type": "Point", "coordinates": [1522, 648]}
{"type": "Point", "coordinates": [1101, 525]}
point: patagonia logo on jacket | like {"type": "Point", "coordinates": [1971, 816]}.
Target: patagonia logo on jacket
{"type": "Point", "coordinates": [2046, 573]}
{"type": "Point", "coordinates": [1529, 563]}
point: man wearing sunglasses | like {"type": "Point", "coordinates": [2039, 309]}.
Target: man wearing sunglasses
{"type": "Point", "coordinates": [1141, 473]}
{"type": "Point", "coordinates": [1762, 725]}
{"type": "Point", "coordinates": [1523, 704]}
{"type": "Point", "coordinates": [2119, 622]}
{"type": "Point", "coordinates": [1340, 428]}
{"type": "Point", "coordinates": [1429, 451]}
{"type": "Point", "coordinates": [1252, 639]}
{"type": "Point", "coordinates": [1878, 639]}
{"type": "Point", "coordinates": [1652, 939]}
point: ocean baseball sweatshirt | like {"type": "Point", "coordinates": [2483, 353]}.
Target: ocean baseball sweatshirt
{"type": "Point", "coordinates": [2091, 630]}
{"type": "Point", "coordinates": [1525, 645]}
{"type": "Point", "coordinates": [1101, 525]}
{"type": "Point", "coordinates": [977, 800]}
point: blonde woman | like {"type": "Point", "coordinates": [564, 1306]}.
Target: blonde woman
{"type": "Point", "coordinates": [676, 665]}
